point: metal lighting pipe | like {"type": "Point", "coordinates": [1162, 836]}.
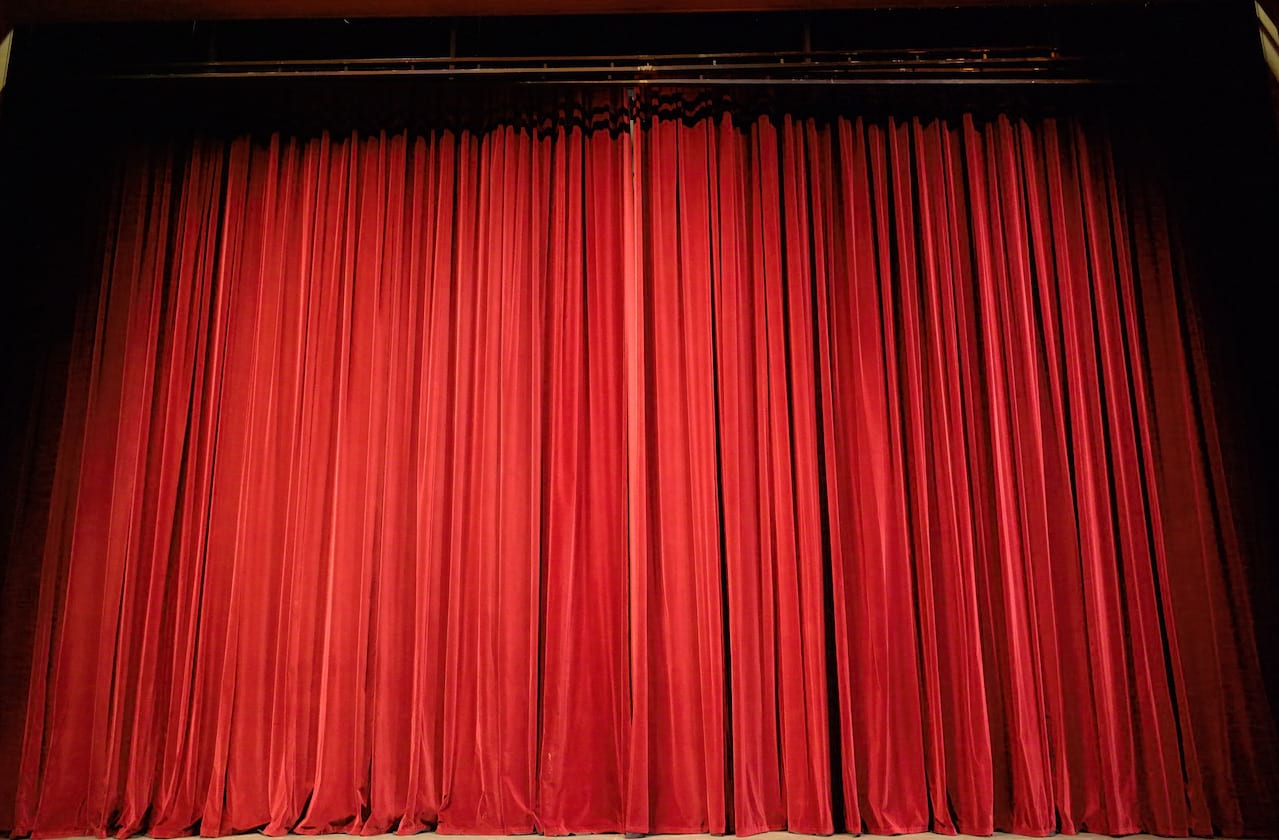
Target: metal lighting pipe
{"type": "Point", "coordinates": [992, 66]}
{"type": "Point", "coordinates": [849, 56]}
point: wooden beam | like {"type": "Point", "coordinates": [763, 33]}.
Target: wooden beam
{"type": "Point", "coordinates": [1269, 39]}
{"type": "Point", "coordinates": [6, 44]}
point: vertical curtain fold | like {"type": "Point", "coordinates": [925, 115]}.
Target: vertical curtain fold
{"type": "Point", "coordinates": [697, 472]}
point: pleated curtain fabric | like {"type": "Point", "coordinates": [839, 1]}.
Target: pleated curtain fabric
{"type": "Point", "coordinates": [690, 474]}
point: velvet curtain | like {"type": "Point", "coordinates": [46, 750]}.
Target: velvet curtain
{"type": "Point", "coordinates": [690, 472]}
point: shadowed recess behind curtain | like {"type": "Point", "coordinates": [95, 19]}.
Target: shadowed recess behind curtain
{"type": "Point", "coordinates": [694, 474]}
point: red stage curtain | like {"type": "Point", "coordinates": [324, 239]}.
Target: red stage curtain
{"type": "Point", "coordinates": [696, 473]}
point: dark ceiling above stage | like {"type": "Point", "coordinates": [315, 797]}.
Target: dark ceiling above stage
{"type": "Point", "coordinates": [47, 11]}
{"type": "Point", "coordinates": [1029, 45]}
